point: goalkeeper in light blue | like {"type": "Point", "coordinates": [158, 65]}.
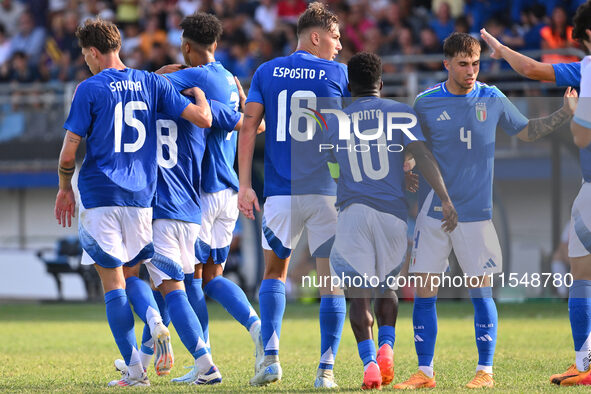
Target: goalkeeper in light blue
{"type": "Point", "coordinates": [459, 118]}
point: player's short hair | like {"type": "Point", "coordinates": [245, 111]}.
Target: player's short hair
{"type": "Point", "coordinates": [99, 33]}
{"type": "Point", "coordinates": [317, 15]}
{"type": "Point", "coordinates": [365, 69]}
{"type": "Point", "coordinates": [582, 22]}
{"type": "Point", "coordinates": [202, 28]}
{"type": "Point", "coordinates": [460, 43]}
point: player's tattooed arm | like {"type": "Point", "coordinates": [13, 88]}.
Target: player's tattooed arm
{"type": "Point", "coordinates": [540, 127]}
{"type": "Point", "coordinates": [427, 165]}
{"type": "Point", "coordinates": [65, 202]}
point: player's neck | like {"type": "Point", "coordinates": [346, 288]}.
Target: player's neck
{"type": "Point", "coordinates": [365, 93]}
{"type": "Point", "coordinates": [112, 61]}
{"type": "Point", "coordinates": [456, 89]}
{"type": "Point", "coordinates": [308, 48]}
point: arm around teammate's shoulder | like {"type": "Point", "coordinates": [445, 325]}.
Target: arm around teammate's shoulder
{"type": "Point", "coordinates": [200, 112]}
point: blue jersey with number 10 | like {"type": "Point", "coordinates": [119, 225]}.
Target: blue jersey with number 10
{"type": "Point", "coordinates": [289, 88]}
{"type": "Point", "coordinates": [461, 132]}
{"type": "Point", "coordinates": [220, 150]}
{"type": "Point", "coordinates": [116, 111]}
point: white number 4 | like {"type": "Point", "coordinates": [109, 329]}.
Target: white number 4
{"type": "Point", "coordinates": [466, 136]}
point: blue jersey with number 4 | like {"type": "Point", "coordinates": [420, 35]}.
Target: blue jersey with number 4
{"type": "Point", "coordinates": [220, 151]}
{"type": "Point", "coordinates": [116, 111]}
{"type": "Point", "coordinates": [461, 132]}
{"type": "Point", "coordinates": [371, 170]}
{"type": "Point", "coordinates": [181, 146]}
{"type": "Point", "coordinates": [290, 88]}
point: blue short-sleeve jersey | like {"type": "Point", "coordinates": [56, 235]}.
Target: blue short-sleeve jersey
{"type": "Point", "coordinates": [291, 88]}
{"type": "Point", "coordinates": [220, 152]}
{"type": "Point", "coordinates": [461, 132]}
{"type": "Point", "coordinates": [116, 111]}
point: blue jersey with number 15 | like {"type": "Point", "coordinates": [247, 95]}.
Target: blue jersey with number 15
{"type": "Point", "coordinates": [291, 88]}
{"type": "Point", "coordinates": [116, 111]}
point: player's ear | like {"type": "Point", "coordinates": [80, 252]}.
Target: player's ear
{"type": "Point", "coordinates": [381, 85]}
{"type": "Point", "coordinates": [446, 64]}
{"type": "Point", "coordinates": [214, 46]}
{"type": "Point", "coordinates": [315, 37]}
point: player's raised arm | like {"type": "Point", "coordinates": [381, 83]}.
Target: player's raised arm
{"type": "Point", "coordinates": [540, 127]}
{"type": "Point", "coordinates": [65, 202]}
{"type": "Point", "coordinates": [200, 112]}
{"type": "Point", "coordinates": [427, 165]}
{"type": "Point", "coordinates": [247, 198]}
{"type": "Point", "coordinates": [522, 64]}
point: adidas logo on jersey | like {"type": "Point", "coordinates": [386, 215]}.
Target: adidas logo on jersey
{"type": "Point", "coordinates": [444, 116]}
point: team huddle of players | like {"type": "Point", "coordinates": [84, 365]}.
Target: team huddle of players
{"type": "Point", "coordinates": [157, 186]}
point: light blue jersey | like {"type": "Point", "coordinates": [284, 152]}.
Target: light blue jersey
{"type": "Point", "coordinates": [289, 87]}
{"type": "Point", "coordinates": [116, 111]}
{"type": "Point", "coordinates": [569, 74]}
{"type": "Point", "coordinates": [461, 133]}
{"type": "Point", "coordinates": [181, 146]}
{"type": "Point", "coordinates": [220, 152]}
{"type": "Point", "coordinates": [371, 171]}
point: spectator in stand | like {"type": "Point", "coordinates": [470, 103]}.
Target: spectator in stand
{"type": "Point", "coordinates": [461, 25]}
{"type": "Point", "coordinates": [290, 10]}
{"type": "Point", "coordinates": [30, 39]}
{"type": "Point", "coordinates": [556, 36]}
{"type": "Point", "coordinates": [21, 71]}
{"type": "Point", "coordinates": [159, 57]}
{"type": "Point", "coordinates": [430, 45]}
{"type": "Point", "coordinates": [175, 33]}
{"type": "Point", "coordinates": [266, 15]}
{"type": "Point", "coordinates": [188, 7]}
{"type": "Point", "coordinates": [4, 46]}
{"type": "Point", "coordinates": [130, 40]}
{"type": "Point", "coordinates": [127, 11]}
{"type": "Point", "coordinates": [10, 14]}
{"type": "Point", "coordinates": [241, 62]}
{"type": "Point", "coordinates": [152, 35]}
{"type": "Point", "coordinates": [391, 25]}
{"type": "Point", "coordinates": [357, 24]}
{"type": "Point", "coordinates": [532, 39]}
{"type": "Point", "coordinates": [442, 24]}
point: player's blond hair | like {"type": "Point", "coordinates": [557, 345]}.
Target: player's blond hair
{"type": "Point", "coordinates": [317, 15]}
{"type": "Point", "coordinates": [99, 33]}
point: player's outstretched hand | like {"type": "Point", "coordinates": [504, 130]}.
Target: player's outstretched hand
{"type": "Point", "coordinates": [450, 216]}
{"type": "Point", "coordinates": [571, 98]}
{"type": "Point", "coordinates": [247, 198]}
{"type": "Point", "coordinates": [411, 181]}
{"type": "Point", "coordinates": [493, 43]}
{"type": "Point", "coordinates": [65, 205]}
{"type": "Point", "coordinates": [169, 68]}
{"type": "Point", "coordinates": [240, 93]}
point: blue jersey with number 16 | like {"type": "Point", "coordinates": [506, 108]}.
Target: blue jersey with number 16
{"type": "Point", "coordinates": [291, 89]}
{"type": "Point", "coordinates": [116, 111]}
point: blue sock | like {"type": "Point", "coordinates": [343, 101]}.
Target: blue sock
{"type": "Point", "coordinates": [367, 351]}
{"type": "Point", "coordinates": [579, 309]}
{"type": "Point", "coordinates": [233, 299]}
{"type": "Point", "coordinates": [140, 296]}
{"type": "Point", "coordinates": [485, 324]}
{"type": "Point", "coordinates": [162, 307]}
{"type": "Point", "coordinates": [147, 344]}
{"type": "Point", "coordinates": [120, 320]}
{"type": "Point", "coordinates": [186, 323]}
{"type": "Point", "coordinates": [386, 336]}
{"type": "Point", "coordinates": [272, 305]}
{"type": "Point", "coordinates": [197, 300]}
{"type": "Point", "coordinates": [332, 317]}
{"type": "Point", "coordinates": [424, 320]}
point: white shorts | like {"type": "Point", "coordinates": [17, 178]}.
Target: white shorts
{"type": "Point", "coordinates": [368, 243]}
{"type": "Point", "coordinates": [218, 219]}
{"type": "Point", "coordinates": [174, 250]}
{"type": "Point", "coordinates": [475, 244]}
{"type": "Point", "coordinates": [113, 236]}
{"type": "Point", "coordinates": [579, 237]}
{"type": "Point", "coordinates": [284, 219]}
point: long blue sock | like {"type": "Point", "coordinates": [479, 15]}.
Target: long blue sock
{"type": "Point", "coordinates": [386, 336]}
{"type": "Point", "coordinates": [485, 324]}
{"type": "Point", "coordinates": [579, 309]}
{"type": "Point", "coordinates": [332, 317]}
{"type": "Point", "coordinates": [186, 323]}
{"type": "Point", "coordinates": [233, 299]}
{"type": "Point", "coordinates": [367, 351]}
{"type": "Point", "coordinates": [162, 307]}
{"type": "Point", "coordinates": [120, 320]}
{"type": "Point", "coordinates": [424, 320]}
{"type": "Point", "coordinates": [197, 300]}
{"type": "Point", "coordinates": [272, 305]}
{"type": "Point", "coordinates": [141, 297]}
{"type": "Point", "coordinates": [147, 346]}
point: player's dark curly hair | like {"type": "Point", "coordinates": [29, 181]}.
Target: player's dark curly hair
{"type": "Point", "coordinates": [582, 22]}
{"type": "Point", "coordinates": [365, 69]}
{"type": "Point", "coordinates": [99, 33]}
{"type": "Point", "coordinates": [202, 28]}
{"type": "Point", "coordinates": [460, 43]}
{"type": "Point", "coordinates": [317, 15]}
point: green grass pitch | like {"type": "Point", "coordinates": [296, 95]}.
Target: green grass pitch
{"type": "Point", "coordinates": [69, 348]}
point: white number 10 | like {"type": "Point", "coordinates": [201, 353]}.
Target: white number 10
{"type": "Point", "coordinates": [466, 136]}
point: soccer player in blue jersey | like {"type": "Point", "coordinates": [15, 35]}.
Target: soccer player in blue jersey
{"type": "Point", "coordinates": [579, 247]}
{"type": "Point", "coordinates": [219, 183]}
{"type": "Point", "coordinates": [459, 118]}
{"type": "Point", "coordinates": [116, 111]}
{"type": "Point", "coordinates": [371, 228]}
{"type": "Point", "coordinates": [298, 187]}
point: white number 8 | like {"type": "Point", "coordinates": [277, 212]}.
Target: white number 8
{"type": "Point", "coordinates": [168, 140]}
